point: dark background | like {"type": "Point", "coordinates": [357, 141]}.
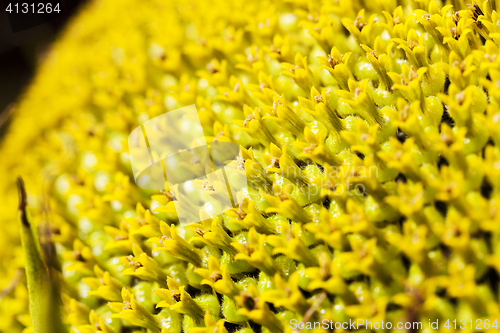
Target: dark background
{"type": "Point", "coordinates": [20, 53]}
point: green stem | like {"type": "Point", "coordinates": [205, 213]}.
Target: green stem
{"type": "Point", "coordinates": [43, 295]}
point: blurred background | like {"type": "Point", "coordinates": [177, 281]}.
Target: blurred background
{"type": "Point", "coordinates": [19, 54]}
